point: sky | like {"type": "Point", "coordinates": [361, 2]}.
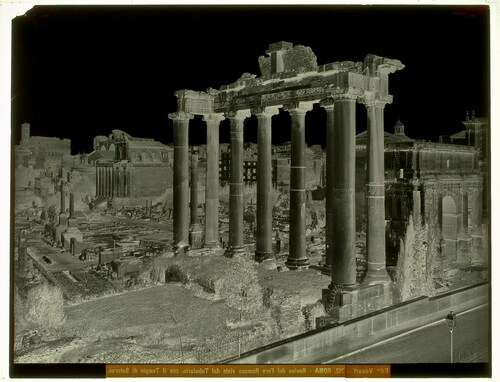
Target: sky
{"type": "Point", "coordinates": [78, 72]}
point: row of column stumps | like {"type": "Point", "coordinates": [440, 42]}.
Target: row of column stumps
{"type": "Point", "coordinates": [340, 186]}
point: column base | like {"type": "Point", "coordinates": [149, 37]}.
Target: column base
{"type": "Point", "coordinates": [211, 245]}
{"type": "Point", "coordinates": [326, 269]}
{"type": "Point", "coordinates": [261, 256]}
{"type": "Point", "coordinates": [302, 263]}
{"type": "Point", "coordinates": [376, 277]}
{"type": "Point", "coordinates": [181, 247]}
{"type": "Point", "coordinates": [233, 251]}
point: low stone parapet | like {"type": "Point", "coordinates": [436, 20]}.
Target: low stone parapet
{"type": "Point", "coordinates": [337, 339]}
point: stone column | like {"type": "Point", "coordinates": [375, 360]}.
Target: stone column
{"type": "Point", "coordinates": [212, 181]}
{"type": "Point", "coordinates": [118, 182]}
{"type": "Point", "coordinates": [264, 244]}
{"type": "Point", "coordinates": [236, 183]}
{"type": "Point", "coordinates": [63, 199]}
{"type": "Point", "coordinates": [97, 182]}
{"type": "Point", "coordinates": [465, 213]}
{"type": "Point", "coordinates": [127, 182]}
{"type": "Point", "coordinates": [103, 182]}
{"type": "Point", "coordinates": [375, 197]}
{"type": "Point", "coordinates": [71, 205]}
{"type": "Point", "coordinates": [106, 176]}
{"type": "Point", "coordinates": [464, 243]}
{"type": "Point", "coordinates": [194, 188]}
{"type": "Point", "coordinates": [477, 231]}
{"type": "Point", "coordinates": [110, 181]}
{"type": "Point", "coordinates": [63, 218]}
{"type": "Point", "coordinates": [297, 254]}
{"type": "Point", "coordinates": [343, 203]}
{"type": "Point", "coordinates": [113, 180]}
{"type": "Point", "coordinates": [181, 181]}
{"type": "Point", "coordinates": [329, 192]}
{"type": "Point", "coordinates": [195, 233]}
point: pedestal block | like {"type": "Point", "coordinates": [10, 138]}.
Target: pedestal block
{"type": "Point", "coordinates": [195, 237]}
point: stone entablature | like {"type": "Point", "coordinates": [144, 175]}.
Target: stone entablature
{"type": "Point", "coordinates": [304, 82]}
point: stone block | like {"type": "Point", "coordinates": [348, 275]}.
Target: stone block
{"type": "Point", "coordinates": [418, 308]}
{"type": "Point", "coordinates": [444, 303]}
{"type": "Point", "coordinates": [196, 239]}
{"type": "Point", "coordinates": [392, 318]}
{"type": "Point", "coordinates": [345, 312]}
{"type": "Point", "coordinates": [323, 321]}
{"type": "Point", "coordinates": [364, 328]}
{"type": "Point", "coordinates": [402, 314]}
{"type": "Point", "coordinates": [379, 322]}
{"type": "Point", "coordinates": [345, 298]}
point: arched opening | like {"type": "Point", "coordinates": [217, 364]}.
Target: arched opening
{"type": "Point", "coordinates": [449, 228]}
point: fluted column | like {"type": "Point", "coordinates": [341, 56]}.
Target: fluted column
{"type": "Point", "coordinates": [212, 181]}
{"type": "Point", "coordinates": [264, 243]}
{"type": "Point", "coordinates": [297, 253]}
{"type": "Point", "coordinates": [343, 203]}
{"type": "Point", "coordinates": [181, 180]}
{"type": "Point", "coordinates": [106, 180]}
{"type": "Point", "coordinates": [236, 182]}
{"type": "Point", "coordinates": [97, 184]}
{"type": "Point", "coordinates": [110, 181]}
{"type": "Point", "coordinates": [375, 197]}
{"type": "Point", "coordinates": [118, 181]}
{"type": "Point", "coordinates": [112, 175]}
{"type": "Point", "coordinates": [194, 189]}
{"type": "Point", "coordinates": [103, 181]}
{"type": "Point", "coordinates": [330, 124]}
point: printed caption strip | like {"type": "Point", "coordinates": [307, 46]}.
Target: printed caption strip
{"type": "Point", "coordinates": [347, 371]}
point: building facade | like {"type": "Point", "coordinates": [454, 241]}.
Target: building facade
{"type": "Point", "coordinates": [141, 168]}
{"type": "Point", "coordinates": [41, 152]}
{"type": "Point", "coordinates": [438, 184]}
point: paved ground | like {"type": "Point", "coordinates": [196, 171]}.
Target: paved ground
{"type": "Point", "coordinates": [431, 344]}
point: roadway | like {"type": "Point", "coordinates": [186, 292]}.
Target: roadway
{"type": "Point", "coordinates": [431, 343]}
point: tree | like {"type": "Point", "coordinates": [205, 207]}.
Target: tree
{"type": "Point", "coordinates": [44, 307]}
{"type": "Point", "coordinates": [414, 268]}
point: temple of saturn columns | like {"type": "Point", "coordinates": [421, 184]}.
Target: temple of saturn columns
{"type": "Point", "coordinates": [293, 81]}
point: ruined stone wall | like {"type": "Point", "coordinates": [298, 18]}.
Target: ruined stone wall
{"type": "Point", "coordinates": [286, 311]}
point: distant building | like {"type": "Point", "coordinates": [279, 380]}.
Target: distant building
{"type": "Point", "coordinates": [130, 167]}
{"type": "Point", "coordinates": [438, 183]}
{"type": "Point", "coordinates": [280, 165]}
{"type": "Point", "coordinates": [41, 152]}
{"type": "Point", "coordinates": [476, 134]}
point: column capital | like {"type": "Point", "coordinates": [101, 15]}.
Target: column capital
{"type": "Point", "coordinates": [327, 103]}
{"type": "Point", "coordinates": [213, 117]}
{"type": "Point", "coordinates": [237, 114]}
{"type": "Point", "coordinates": [180, 116]}
{"type": "Point", "coordinates": [373, 102]}
{"type": "Point", "coordinates": [298, 107]}
{"type": "Point", "coordinates": [265, 112]}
